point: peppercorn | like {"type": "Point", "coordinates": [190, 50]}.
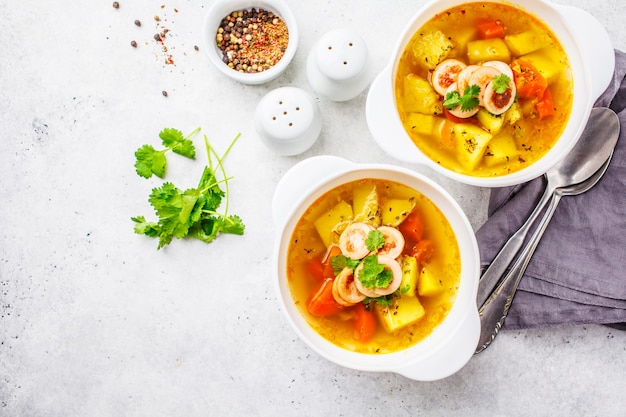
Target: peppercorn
{"type": "Point", "coordinates": [133, 44]}
{"type": "Point", "coordinates": [116, 4]}
{"type": "Point", "coordinates": [137, 23]}
{"type": "Point", "coordinates": [164, 93]}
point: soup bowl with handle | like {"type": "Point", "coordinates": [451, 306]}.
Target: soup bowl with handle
{"type": "Point", "coordinates": [452, 343]}
{"type": "Point", "coordinates": [591, 58]}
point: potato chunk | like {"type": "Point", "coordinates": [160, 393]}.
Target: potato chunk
{"type": "Point", "coordinates": [525, 42]}
{"type": "Point", "coordinates": [403, 311]}
{"type": "Point", "coordinates": [395, 210]}
{"type": "Point", "coordinates": [428, 284]}
{"type": "Point", "coordinates": [365, 205]}
{"type": "Point", "coordinates": [328, 224]}
{"type": "Point", "coordinates": [409, 275]}
{"type": "Point", "coordinates": [501, 150]}
{"type": "Point", "coordinates": [420, 97]}
{"type": "Point", "coordinates": [431, 48]}
{"type": "Point", "coordinates": [490, 122]}
{"type": "Point", "coordinates": [471, 142]}
{"type": "Point", "coordinates": [424, 124]}
{"type": "Point", "coordinates": [488, 50]}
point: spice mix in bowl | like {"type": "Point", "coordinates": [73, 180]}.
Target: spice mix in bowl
{"type": "Point", "coordinates": [252, 42]}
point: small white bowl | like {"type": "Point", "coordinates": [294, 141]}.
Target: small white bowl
{"type": "Point", "coordinates": [591, 57]}
{"type": "Point", "coordinates": [451, 345]}
{"type": "Point", "coordinates": [223, 8]}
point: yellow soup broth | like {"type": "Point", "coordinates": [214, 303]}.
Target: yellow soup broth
{"type": "Point", "coordinates": [484, 144]}
{"type": "Point", "coordinates": [306, 244]}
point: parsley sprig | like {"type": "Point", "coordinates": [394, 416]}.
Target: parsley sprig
{"type": "Point", "coordinates": [373, 274]}
{"type": "Point", "coordinates": [501, 83]}
{"type": "Point", "coordinates": [467, 101]}
{"type": "Point", "coordinates": [193, 212]}
{"type": "Point", "coordinates": [149, 161]}
{"type": "Point", "coordinates": [375, 240]}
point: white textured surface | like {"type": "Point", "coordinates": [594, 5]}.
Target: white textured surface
{"type": "Point", "coordinates": [94, 321]}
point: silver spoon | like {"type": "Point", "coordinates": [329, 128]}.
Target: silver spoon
{"type": "Point", "coordinates": [584, 159]}
{"type": "Point", "coordinates": [495, 309]}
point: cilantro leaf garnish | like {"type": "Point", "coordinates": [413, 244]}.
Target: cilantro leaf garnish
{"type": "Point", "coordinates": [467, 101]}
{"type": "Point", "coordinates": [375, 240]}
{"type": "Point", "coordinates": [339, 262]}
{"type": "Point", "coordinates": [193, 212]}
{"type": "Point", "coordinates": [373, 274]}
{"type": "Point", "coordinates": [149, 161]}
{"type": "Point", "coordinates": [173, 139]}
{"type": "Point", "coordinates": [501, 83]}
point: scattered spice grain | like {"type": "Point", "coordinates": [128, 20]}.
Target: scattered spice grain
{"type": "Point", "coordinates": [252, 40]}
{"type": "Point", "coordinates": [133, 44]}
{"type": "Point", "coordinates": [164, 93]}
{"type": "Point", "coordinates": [137, 23]}
{"type": "Point", "coordinates": [116, 4]}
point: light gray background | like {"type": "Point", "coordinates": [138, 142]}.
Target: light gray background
{"type": "Point", "coordinates": [94, 321]}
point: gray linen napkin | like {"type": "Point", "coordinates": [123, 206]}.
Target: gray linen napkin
{"type": "Point", "coordinates": [578, 272]}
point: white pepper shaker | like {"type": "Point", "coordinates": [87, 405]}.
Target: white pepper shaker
{"type": "Point", "coordinates": [338, 65]}
{"type": "Point", "coordinates": [288, 120]}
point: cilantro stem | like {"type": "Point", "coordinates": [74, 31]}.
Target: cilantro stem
{"type": "Point", "coordinates": [220, 166]}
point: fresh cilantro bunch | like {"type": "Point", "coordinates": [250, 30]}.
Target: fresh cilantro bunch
{"type": "Point", "coordinates": [192, 212]}
{"type": "Point", "coordinates": [467, 101]}
{"type": "Point", "coordinates": [150, 161]}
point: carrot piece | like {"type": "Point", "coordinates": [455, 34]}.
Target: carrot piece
{"type": "Point", "coordinates": [412, 228]}
{"type": "Point", "coordinates": [365, 324]}
{"type": "Point", "coordinates": [490, 28]}
{"type": "Point", "coordinates": [528, 80]}
{"type": "Point", "coordinates": [328, 270]}
{"type": "Point", "coordinates": [545, 106]}
{"type": "Point", "coordinates": [322, 302]}
{"type": "Point", "coordinates": [423, 251]}
{"type": "Point", "coordinates": [315, 269]}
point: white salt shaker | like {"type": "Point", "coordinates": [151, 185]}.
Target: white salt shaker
{"type": "Point", "coordinates": [338, 65]}
{"type": "Point", "coordinates": [288, 120]}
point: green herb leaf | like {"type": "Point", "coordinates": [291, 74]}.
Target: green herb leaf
{"type": "Point", "coordinates": [470, 97]}
{"type": "Point", "coordinates": [373, 274]}
{"type": "Point", "coordinates": [501, 83]}
{"type": "Point", "coordinates": [173, 139]}
{"type": "Point", "coordinates": [339, 262]}
{"type": "Point", "coordinates": [452, 100]}
{"type": "Point", "coordinates": [383, 301]}
{"type": "Point", "coordinates": [468, 101]}
{"type": "Point", "coordinates": [375, 240]}
{"type": "Point", "coordinates": [149, 161]}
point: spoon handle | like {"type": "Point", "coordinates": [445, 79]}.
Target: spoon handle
{"type": "Point", "coordinates": [495, 309]}
{"type": "Point", "coordinates": [505, 256]}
